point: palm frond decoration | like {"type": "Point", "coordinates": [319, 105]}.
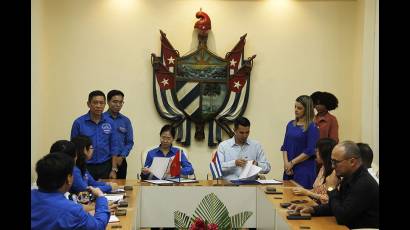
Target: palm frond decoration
{"type": "Point", "coordinates": [238, 220]}
{"type": "Point", "coordinates": [181, 220]}
{"type": "Point", "coordinates": [212, 211]}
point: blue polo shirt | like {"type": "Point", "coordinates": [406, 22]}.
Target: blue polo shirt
{"type": "Point", "coordinates": [123, 129]}
{"type": "Point", "coordinates": [80, 182]}
{"type": "Point", "coordinates": [186, 167]}
{"type": "Point", "coordinates": [51, 210]}
{"type": "Point", "coordinates": [103, 138]}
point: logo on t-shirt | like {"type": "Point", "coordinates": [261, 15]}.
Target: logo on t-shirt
{"type": "Point", "coordinates": [106, 127]}
{"type": "Point", "coordinates": [122, 129]}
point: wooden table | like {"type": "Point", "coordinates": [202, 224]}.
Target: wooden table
{"type": "Point", "coordinates": [316, 223]}
{"type": "Point", "coordinates": [267, 206]}
{"type": "Point", "coordinates": [129, 220]}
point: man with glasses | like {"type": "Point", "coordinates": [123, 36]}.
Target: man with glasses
{"type": "Point", "coordinates": [123, 129]}
{"type": "Point", "coordinates": [101, 131]}
{"type": "Point", "coordinates": [355, 201]}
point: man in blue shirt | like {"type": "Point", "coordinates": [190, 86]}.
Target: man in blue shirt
{"type": "Point", "coordinates": [234, 153]}
{"type": "Point", "coordinates": [123, 129]}
{"type": "Point", "coordinates": [51, 210]}
{"type": "Point", "coordinates": [101, 131]}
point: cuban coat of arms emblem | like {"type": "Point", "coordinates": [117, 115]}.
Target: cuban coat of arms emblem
{"type": "Point", "coordinates": [201, 88]}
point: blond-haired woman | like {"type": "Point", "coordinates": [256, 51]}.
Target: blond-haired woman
{"type": "Point", "coordinates": [299, 144]}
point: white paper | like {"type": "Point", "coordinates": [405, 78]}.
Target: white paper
{"type": "Point", "coordinates": [182, 180]}
{"type": "Point", "coordinates": [114, 197]}
{"type": "Point", "coordinates": [159, 181]}
{"type": "Point", "coordinates": [118, 190]}
{"type": "Point", "coordinates": [269, 181]}
{"type": "Point", "coordinates": [113, 218]}
{"type": "Point", "coordinates": [159, 166]}
{"type": "Point", "coordinates": [249, 170]}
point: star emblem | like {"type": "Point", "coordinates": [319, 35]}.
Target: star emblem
{"type": "Point", "coordinates": [171, 60]}
{"type": "Point", "coordinates": [233, 62]}
{"type": "Point", "coordinates": [165, 81]}
{"type": "Point", "coordinates": [237, 84]}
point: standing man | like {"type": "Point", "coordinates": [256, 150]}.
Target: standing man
{"type": "Point", "coordinates": [236, 151]}
{"type": "Point", "coordinates": [123, 129]}
{"type": "Point", "coordinates": [355, 202]}
{"type": "Point", "coordinates": [101, 131]}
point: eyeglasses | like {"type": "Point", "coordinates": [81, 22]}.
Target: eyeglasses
{"type": "Point", "coordinates": [336, 162]}
{"type": "Point", "coordinates": [165, 138]}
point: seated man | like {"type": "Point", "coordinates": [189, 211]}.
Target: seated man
{"type": "Point", "coordinates": [355, 202]}
{"type": "Point", "coordinates": [236, 151]}
{"type": "Point", "coordinates": [367, 158]}
{"type": "Point", "coordinates": [51, 210]}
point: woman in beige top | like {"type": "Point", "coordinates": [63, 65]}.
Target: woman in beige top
{"type": "Point", "coordinates": [326, 176]}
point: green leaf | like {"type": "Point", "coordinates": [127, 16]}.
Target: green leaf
{"type": "Point", "coordinates": [181, 220]}
{"type": "Point", "coordinates": [238, 220]}
{"type": "Point", "coordinates": [212, 210]}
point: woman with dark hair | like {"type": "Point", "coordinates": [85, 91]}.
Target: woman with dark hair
{"type": "Point", "coordinates": [299, 144]}
{"type": "Point", "coordinates": [82, 178]}
{"type": "Point", "coordinates": [165, 149]}
{"type": "Point", "coordinates": [326, 176]}
{"type": "Point", "coordinates": [327, 123]}
{"type": "Point", "coordinates": [64, 146]}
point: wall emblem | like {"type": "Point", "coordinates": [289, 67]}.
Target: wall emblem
{"type": "Point", "coordinates": [201, 88]}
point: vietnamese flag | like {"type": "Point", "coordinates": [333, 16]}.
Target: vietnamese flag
{"type": "Point", "coordinates": [175, 169]}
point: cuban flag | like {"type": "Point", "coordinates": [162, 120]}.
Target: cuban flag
{"type": "Point", "coordinates": [215, 166]}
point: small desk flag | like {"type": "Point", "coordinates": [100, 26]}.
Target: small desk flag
{"type": "Point", "coordinates": [215, 166]}
{"type": "Point", "coordinates": [175, 169]}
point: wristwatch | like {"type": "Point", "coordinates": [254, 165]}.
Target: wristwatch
{"type": "Point", "coordinates": [114, 169]}
{"type": "Point", "coordinates": [330, 189]}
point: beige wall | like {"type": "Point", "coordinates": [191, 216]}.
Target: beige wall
{"type": "Point", "coordinates": [301, 46]}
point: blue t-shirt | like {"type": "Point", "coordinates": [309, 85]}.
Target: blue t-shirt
{"type": "Point", "coordinates": [186, 167]}
{"type": "Point", "coordinates": [123, 128]}
{"type": "Point", "coordinates": [104, 140]}
{"type": "Point", "coordinates": [80, 182]}
{"type": "Point", "coordinates": [51, 211]}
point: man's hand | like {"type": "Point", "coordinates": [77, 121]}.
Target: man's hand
{"type": "Point", "coordinates": [300, 191]}
{"type": "Point", "coordinates": [88, 207]}
{"type": "Point", "coordinates": [333, 183]}
{"type": "Point", "coordinates": [146, 170]}
{"type": "Point", "coordinates": [114, 186]}
{"type": "Point", "coordinates": [113, 175]}
{"type": "Point", "coordinates": [240, 162]}
{"type": "Point", "coordinates": [301, 208]}
{"type": "Point", "coordinates": [119, 160]}
{"type": "Point", "coordinates": [95, 191]}
{"type": "Point", "coordinates": [113, 207]}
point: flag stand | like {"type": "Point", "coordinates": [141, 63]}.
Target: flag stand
{"type": "Point", "coordinates": [217, 183]}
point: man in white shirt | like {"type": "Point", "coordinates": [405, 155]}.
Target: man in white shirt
{"type": "Point", "coordinates": [235, 152]}
{"type": "Point", "coordinates": [366, 154]}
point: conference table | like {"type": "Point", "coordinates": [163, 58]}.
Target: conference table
{"type": "Point", "coordinates": [151, 205]}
